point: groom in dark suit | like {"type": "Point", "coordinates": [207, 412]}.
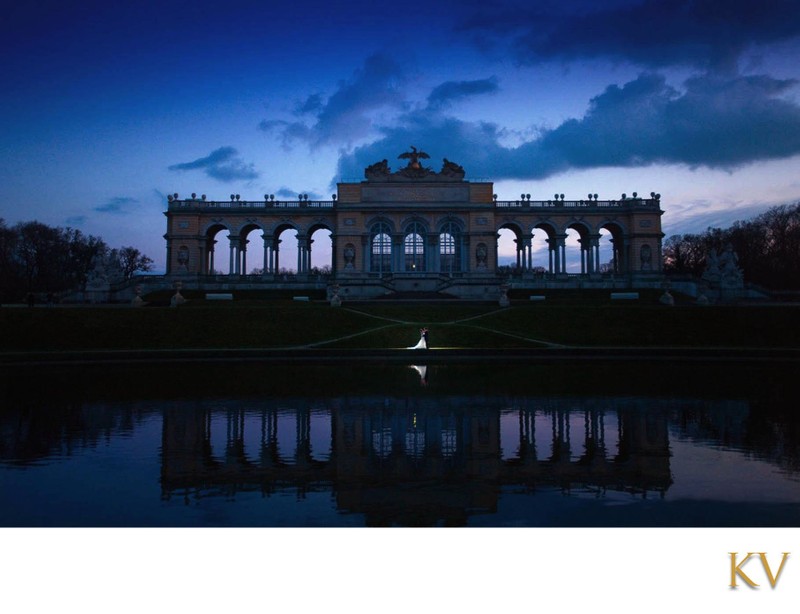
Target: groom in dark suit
{"type": "Point", "coordinates": [425, 336]}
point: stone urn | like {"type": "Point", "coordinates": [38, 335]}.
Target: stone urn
{"type": "Point", "coordinates": [336, 300]}
{"type": "Point", "coordinates": [137, 301]}
{"type": "Point", "coordinates": [177, 298]}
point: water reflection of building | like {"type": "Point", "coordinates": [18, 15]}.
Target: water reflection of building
{"type": "Point", "coordinates": [422, 461]}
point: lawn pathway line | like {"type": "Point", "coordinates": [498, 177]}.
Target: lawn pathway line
{"type": "Point", "coordinates": [358, 334]}
{"type": "Point", "coordinates": [481, 315]}
{"type": "Point", "coordinates": [513, 336]}
{"type": "Point", "coordinates": [372, 315]}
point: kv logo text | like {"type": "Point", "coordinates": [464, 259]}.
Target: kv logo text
{"type": "Point", "coordinates": [738, 572]}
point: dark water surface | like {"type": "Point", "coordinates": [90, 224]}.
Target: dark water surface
{"type": "Point", "coordinates": [585, 444]}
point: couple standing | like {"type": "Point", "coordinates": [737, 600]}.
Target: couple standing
{"type": "Point", "coordinates": [423, 340]}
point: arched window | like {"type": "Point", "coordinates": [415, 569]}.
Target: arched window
{"type": "Point", "coordinates": [414, 248]}
{"type": "Point", "coordinates": [381, 260]}
{"type": "Point", "coordinates": [450, 249]}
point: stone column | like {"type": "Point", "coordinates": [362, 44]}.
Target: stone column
{"type": "Point", "coordinates": [300, 253]}
{"type": "Point", "coordinates": [366, 254]}
{"type": "Point", "coordinates": [169, 255]}
{"type": "Point", "coordinates": [624, 255]}
{"type": "Point", "coordinates": [595, 243]}
{"type": "Point", "coordinates": [584, 256]}
{"type": "Point", "coordinates": [432, 253]}
{"type": "Point", "coordinates": [211, 252]}
{"type": "Point", "coordinates": [530, 253]}
{"type": "Point", "coordinates": [234, 260]}
{"type": "Point", "coordinates": [527, 253]}
{"type": "Point", "coordinates": [267, 248]}
{"type": "Point", "coordinates": [614, 257]}
{"type": "Point", "coordinates": [398, 253]}
{"type": "Point", "coordinates": [559, 256]}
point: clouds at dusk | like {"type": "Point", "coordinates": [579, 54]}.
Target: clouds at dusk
{"type": "Point", "coordinates": [652, 33]}
{"type": "Point", "coordinates": [713, 122]}
{"type": "Point", "coordinates": [223, 164]}
{"type": "Point", "coordinates": [697, 98]}
{"type": "Point", "coordinates": [118, 205]}
{"type": "Point", "coordinates": [344, 118]}
{"type": "Point", "coordinates": [451, 91]}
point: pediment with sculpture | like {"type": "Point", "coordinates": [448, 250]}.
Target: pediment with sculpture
{"type": "Point", "coordinates": [414, 170]}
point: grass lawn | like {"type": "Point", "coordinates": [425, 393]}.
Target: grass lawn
{"type": "Point", "coordinates": [285, 323]}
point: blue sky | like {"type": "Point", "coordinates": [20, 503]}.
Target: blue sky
{"type": "Point", "coordinates": [107, 107]}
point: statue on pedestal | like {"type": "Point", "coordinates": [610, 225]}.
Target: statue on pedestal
{"type": "Point", "coordinates": [349, 257]}
{"type": "Point", "coordinates": [481, 255]}
{"type": "Point", "coordinates": [730, 273]}
{"type": "Point", "coordinates": [504, 300]}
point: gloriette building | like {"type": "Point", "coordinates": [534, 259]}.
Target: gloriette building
{"type": "Point", "coordinates": [414, 229]}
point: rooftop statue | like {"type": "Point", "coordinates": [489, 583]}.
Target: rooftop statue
{"type": "Point", "coordinates": [415, 170]}
{"type": "Point", "coordinates": [413, 157]}
{"type": "Point", "coordinates": [380, 171]}
{"type": "Point", "coordinates": [451, 169]}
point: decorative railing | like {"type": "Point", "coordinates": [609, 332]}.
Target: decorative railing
{"type": "Point", "coordinates": [551, 205]}
{"type": "Point", "coordinates": [247, 205]}
{"type": "Point", "coordinates": [522, 204]}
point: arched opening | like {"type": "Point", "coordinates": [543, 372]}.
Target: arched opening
{"type": "Point", "coordinates": [286, 253]}
{"type": "Point", "coordinates": [541, 260]}
{"type": "Point", "coordinates": [414, 248]}
{"type": "Point", "coordinates": [380, 248]}
{"type": "Point", "coordinates": [216, 261]}
{"type": "Point", "coordinates": [605, 262]}
{"type": "Point", "coordinates": [574, 262]}
{"type": "Point", "coordinates": [613, 259]}
{"type": "Point", "coordinates": [320, 245]}
{"type": "Point", "coordinates": [508, 255]}
{"type": "Point", "coordinates": [251, 250]}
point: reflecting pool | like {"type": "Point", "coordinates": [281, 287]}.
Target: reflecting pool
{"type": "Point", "coordinates": [582, 444]}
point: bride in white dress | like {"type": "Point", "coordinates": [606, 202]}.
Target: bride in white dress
{"type": "Point", "coordinates": [422, 344]}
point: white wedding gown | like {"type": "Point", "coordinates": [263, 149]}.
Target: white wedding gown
{"type": "Point", "coordinates": [421, 345]}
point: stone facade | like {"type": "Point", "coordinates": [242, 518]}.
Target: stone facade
{"type": "Point", "coordinates": [414, 229]}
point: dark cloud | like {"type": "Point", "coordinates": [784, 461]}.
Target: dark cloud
{"type": "Point", "coordinates": [289, 132]}
{"type": "Point", "coordinates": [344, 116]}
{"type": "Point", "coordinates": [313, 104]}
{"type": "Point", "coordinates": [653, 33]}
{"type": "Point", "coordinates": [118, 205]}
{"type": "Point", "coordinates": [714, 122]}
{"type": "Point", "coordinates": [223, 164]}
{"type": "Point", "coordinates": [287, 193]}
{"type": "Point", "coordinates": [450, 91]}
{"type": "Point", "coordinates": [76, 220]}
{"type": "Point", "coordinates": [474, 145]}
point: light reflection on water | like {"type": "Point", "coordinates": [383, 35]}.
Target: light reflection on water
{"type": "Point", "coordinates": [415, 447]}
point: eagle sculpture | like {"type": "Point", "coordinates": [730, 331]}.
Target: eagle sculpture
{"type": "Point", "coordinates": [413, 156]}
